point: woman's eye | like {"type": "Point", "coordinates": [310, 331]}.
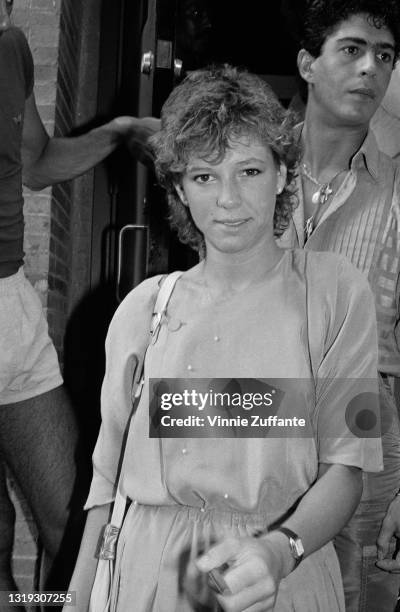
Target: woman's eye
{"type": "Point", "coordinates": [202, 178]}
{"type": "Point", "coordinates": [251, 171]}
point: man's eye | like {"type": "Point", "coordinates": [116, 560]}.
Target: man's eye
{"type": "Point", "coordinates": [386, 58]}
{"type": "Point", "coordinates": [202, 178]}
{"type": "Point", "coordinates": [351, 50]}
{"type": "Point", "coordinates": [251, 171]}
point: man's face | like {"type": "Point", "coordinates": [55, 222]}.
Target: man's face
{"type": "Point", "coordinates": [5, 12]}
{"type": "Point", "coordinates": [350, 77]}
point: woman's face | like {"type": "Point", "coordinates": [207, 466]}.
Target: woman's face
{"type": "Point", "coordinates": [232, 202]}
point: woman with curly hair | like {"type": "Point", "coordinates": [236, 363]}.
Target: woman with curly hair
{"type": "Point", "coordinates": [246, 511]}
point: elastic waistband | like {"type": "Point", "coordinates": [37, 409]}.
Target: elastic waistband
{"type": "Point", "coordinates": [9, 283]}
{"type": "Point", "coordinates": [226, 517]}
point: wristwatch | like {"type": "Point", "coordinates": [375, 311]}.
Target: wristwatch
{"type": "Point", "coordinates": [295, 543]}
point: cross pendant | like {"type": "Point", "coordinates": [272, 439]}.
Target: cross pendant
{"type": "Point", "coordinates": [324, 193]}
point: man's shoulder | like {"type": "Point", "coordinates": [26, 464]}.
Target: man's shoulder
{"type": "Point", "coordinates": [386, 127]}
{"type": "Point", "coordinates": [389, 176]}
{"type": "Point", "coordinates": [389, 161]}
{"type": "Point", "coordinates": [385, 163]}
{"type": "Point", "coordinates": [15, 38]}
{"type": "Point", "coordinates": [16, 56]}
{"type": "Point", "coordinates": [385, 169]}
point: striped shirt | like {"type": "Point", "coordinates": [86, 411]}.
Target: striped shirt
{"type": "Point", "coordinates": [362, 222]}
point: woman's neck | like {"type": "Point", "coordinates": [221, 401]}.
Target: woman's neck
{"type": "Point", "coordinates": [232, 272]}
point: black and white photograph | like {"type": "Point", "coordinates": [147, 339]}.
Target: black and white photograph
{"type": "Point", "coordinates": [200, 306]}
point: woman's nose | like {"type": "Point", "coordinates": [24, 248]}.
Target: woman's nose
{"type": "Point", "coordinates": [229, 195]}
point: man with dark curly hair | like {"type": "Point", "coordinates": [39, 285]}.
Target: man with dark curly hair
{"type": "Point", "coordinates": [386, 121]}
{"type": "Point", "coordinates": [350, 204]}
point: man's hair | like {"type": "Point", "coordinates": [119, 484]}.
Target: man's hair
{"type": "Point", "coordinates": [323, 16]}
{"type": "Point", "coordinates": [211, 109]}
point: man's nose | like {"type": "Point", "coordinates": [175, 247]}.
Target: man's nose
{"type": "Point", "coordinates": [368, 63]}
{"type": "Point", "coordinates": [229, 195]}
{"type": "Point", "coordinates": [5, 21]}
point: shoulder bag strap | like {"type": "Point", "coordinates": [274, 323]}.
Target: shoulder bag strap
{"type": "Point", "coordinates": [160, 308]}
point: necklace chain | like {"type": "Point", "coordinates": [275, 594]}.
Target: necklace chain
{"type": "Point", "coordinates": [307, 172]}
{"type": "Point", "coordinates": [322, 195]}
{"type": "Point", "coordinates": [319, 197]}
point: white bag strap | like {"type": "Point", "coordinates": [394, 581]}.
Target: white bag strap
{"type": "Point", "coordinates": [111, 530]}
{"type": "Point", "coordinates": [161, 304]}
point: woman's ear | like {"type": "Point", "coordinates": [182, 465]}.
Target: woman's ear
{"type": "Point", "coordinates": [305, 64]}
{"type": "Point", "coordinates": [181, 194]}
{"type": "Point", "coordinates": [281, 179]}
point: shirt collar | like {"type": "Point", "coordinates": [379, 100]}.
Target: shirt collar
{"type": "Point", "coordinates": [366, 157]}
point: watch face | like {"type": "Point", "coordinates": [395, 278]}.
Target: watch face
{"type": "Point", "coordinates": [298, 548]}
{"type": "Point", "coordinates": [295, 543]}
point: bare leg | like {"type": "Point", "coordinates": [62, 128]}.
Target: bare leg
{"type": "Point", "coordinates": [39, 441]}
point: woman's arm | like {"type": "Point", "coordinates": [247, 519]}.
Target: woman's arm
{"type": "Point", "coordinates": [85, 568]}
{"type": "Point", "coordinates": [327, 506]}
{"type": "Point", "coordinates": [257, 565]}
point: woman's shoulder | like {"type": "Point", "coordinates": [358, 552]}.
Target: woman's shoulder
{"type": "Point", "coordinates": [142, 295]}
{"type": "Point", "coordinates": [136, 308]}
{"type": "Point", "coordinates": [331, 272]}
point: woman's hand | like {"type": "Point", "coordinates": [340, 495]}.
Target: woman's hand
{"type": "Point", "coordinates": [255, 567]}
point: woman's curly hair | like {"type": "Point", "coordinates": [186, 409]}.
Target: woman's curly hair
{"type": "Point", "coordinates": [203, 115]}
{"type": "Point", "coordinates": [323, 16]}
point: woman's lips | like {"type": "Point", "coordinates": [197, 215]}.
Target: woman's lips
{"type": "Point", "coordinates": [364, 91]}
{"type": "Point", "coordinates": [231, 222]}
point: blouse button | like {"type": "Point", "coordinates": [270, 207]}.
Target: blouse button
{"type": "Point", "coordinates": [174, 324]}
{"type": "Point", "coordinates": [226, 495]}
{"type": "Point", "coordinates": [184, 451]}
{"type": "Point", "coordinates": [202, 509]}
{"type": "Point", "coordinates": [190, 367]}
{"type": "Point", "coordinates": [216, 338]}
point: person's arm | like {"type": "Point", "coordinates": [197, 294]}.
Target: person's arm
{"type": "Point", "coordinates": [47, 161]}
{"type": "Point", "coordinates": [85, 568]}
{"type": "Point", "coordinates": [257, 565]}
{"type": "Point", "coordinates": [343, 314]}
{"type": "Point", "coordinates": [390, 528]}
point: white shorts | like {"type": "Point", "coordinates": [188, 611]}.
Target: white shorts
{"type": "Point", "coordinates": [28, 360]}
